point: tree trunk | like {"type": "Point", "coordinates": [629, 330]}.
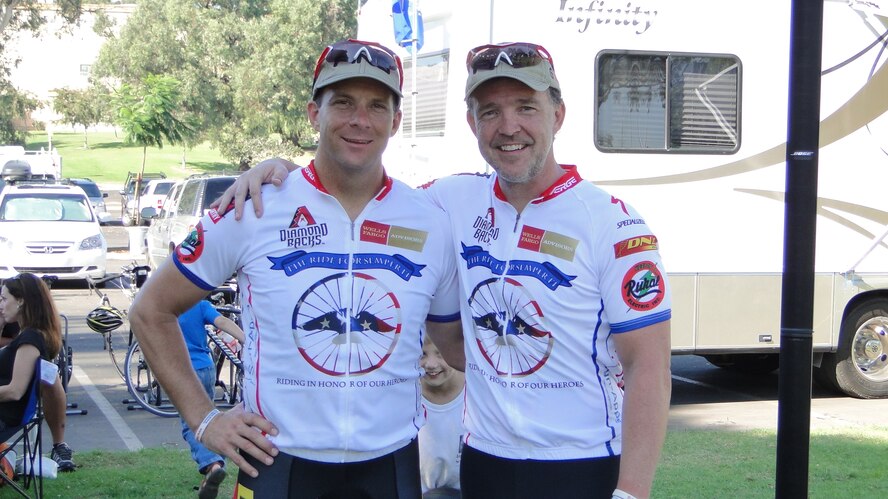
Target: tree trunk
{"type": "Point", "coordinates": [138, 192]}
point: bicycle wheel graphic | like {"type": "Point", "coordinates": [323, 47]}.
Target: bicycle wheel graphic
{"type": "Point", "coordinates": [509, 327]}
{"type": "Point", "coordinates": [347, 325]}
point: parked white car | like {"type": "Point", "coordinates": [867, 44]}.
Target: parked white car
{"type": "Point", "coordinates": [153, 194]}
{"type": "Point", "coordinates": [50, 230]}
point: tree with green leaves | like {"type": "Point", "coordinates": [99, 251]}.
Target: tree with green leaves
{"type": "Point", "coordinates": [14, 106]}
{"type": "Point", "coordinates": [245, 67]}
{"type": "Point", "coordinates": [87, 107]}
{"type": "Point", "coordinates": [147, 114]}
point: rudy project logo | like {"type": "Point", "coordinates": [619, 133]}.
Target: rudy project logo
{"type": "Point", "coordinates": [191, 248]}
{"type": "Point", "coordinates": [548, 242]}
{"type": "Point", "coordinates": [635, 245]}
{"type": "Point", "coordinates": [643, 286]}
{"type": "Point", "coordinates": [393, 235]}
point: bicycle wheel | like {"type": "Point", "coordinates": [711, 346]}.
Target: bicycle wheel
{"type": "Point", "coordinates": [142, 385]}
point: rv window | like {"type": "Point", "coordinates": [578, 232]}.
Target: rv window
{"type": "Point", "coordinates": [659, 102]}
{"type": "Point", "coordinates": [431, 97]}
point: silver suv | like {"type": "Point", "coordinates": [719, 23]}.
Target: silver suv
{"type": "Point", "coordinates": [183, 207]}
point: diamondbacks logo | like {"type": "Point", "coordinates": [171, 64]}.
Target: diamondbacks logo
{"type": "Point", "coordinates": [303, 231]}
{"type": "Point", "coordinates": [189, 250]}
{"type": "Point", "coordinates": [643, 286]}
{"type": "Point", "coordinates": [548, 242]}
{"type": "Point", "coordinates": [485, 227]}
{"type": "Point", "coordinates": [635, 245]}
{"type": "Point", "coordinates": [393, 235]}
{"type": "Point", "coordinates": [302, 217]}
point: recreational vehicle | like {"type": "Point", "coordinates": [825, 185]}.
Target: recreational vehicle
{"type": "Point", "coordinates": [679, 107]}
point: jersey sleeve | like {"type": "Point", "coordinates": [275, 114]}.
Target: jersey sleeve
{"type": "Point", "coordinates": [445, 304]}
{"type": "Point", "coordinates": [634, 285]}
{"type": "Point", "coordinates": [214, 250]}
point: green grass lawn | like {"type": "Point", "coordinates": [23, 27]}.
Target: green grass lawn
{"type": "Point", "coordinates": [109, 157]}
{"type": "Point", "coordinates": [695, 464]}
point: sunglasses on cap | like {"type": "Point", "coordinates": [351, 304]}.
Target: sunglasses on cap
{"type": "Point", "coordinates": [517, 55]}
{"type": "Point", "coordinates": [351, 52]}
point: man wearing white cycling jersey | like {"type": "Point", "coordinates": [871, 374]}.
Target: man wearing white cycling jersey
{"type": "Point", "coordinates": [564, 298]}
{"type": "Point", "coordinates": [336, 280]}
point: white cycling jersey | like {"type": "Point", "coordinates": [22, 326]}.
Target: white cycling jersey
{"type": "Point", "coordinates": [546, 291]}
{"type": "Point", "coordinates": [332, 310]}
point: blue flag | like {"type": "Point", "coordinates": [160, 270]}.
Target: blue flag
{"type": "Point", "coordinates": [402, 16]}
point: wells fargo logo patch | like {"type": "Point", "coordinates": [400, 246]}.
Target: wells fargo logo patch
{"type": "Point", "coordinates": [548, 242]}
{"type": "Point", "coordinates": [393, 235]}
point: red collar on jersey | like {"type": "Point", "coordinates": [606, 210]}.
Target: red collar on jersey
{"type": "Point", "coordinates": [311, 174]}
{"type": "Point", "coordinates": [570, 179]}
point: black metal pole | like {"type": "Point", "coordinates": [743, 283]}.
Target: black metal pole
{"type": "Point", "coordinates": [797, 306]}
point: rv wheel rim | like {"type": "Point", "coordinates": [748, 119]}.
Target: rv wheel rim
{"type": "Point", "coordinates": [870, 349]}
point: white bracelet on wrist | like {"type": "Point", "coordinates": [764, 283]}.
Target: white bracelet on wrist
{"type": "Point", "coordinates": [622, 494]}
{"type": "Point", "coordinates": [198, 435]}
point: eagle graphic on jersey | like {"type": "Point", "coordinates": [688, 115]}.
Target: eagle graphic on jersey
{"type": "Point", "coordinates": [337, 321]}
{"type": "Point", "coordinates": [495, 321]}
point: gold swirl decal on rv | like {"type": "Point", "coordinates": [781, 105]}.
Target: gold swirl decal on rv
{"type": "Point", "coordinates": [832, 209]}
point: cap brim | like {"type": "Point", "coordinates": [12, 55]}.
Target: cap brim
{"type": "Point", "coordinates": [333, 74]}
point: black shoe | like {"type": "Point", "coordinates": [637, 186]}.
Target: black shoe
{"type": "Point", "coordinates": [209, 488]}
{"type": "Point", "coordinates": [62, 455]}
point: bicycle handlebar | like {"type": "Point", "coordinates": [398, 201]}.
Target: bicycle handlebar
{"type": "Point", "coordinates": [102, 280]}
{"type": "Point", "coordinates": [227, 309]}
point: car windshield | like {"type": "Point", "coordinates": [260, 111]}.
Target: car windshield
{"type": "Point", "coordinates": [45, 208]}
{"type": "Point", "coordinates": [91, 189]}
{"type": "Point", "coordinates": [161, 188]}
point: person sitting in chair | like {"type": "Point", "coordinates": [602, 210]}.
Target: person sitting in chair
{"type": "Point", "coordinates": [27, 300]}
{"type": "Point", "coordinates": [55, 405]}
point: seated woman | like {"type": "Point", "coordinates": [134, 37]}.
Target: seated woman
{"type": "Point", "coordinates": [27, 300]}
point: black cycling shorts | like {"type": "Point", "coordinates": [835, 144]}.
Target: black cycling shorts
{"type": "Point", "coordinates": [483, 476]}
{"type": "Point", "coordinates": [392, 476]}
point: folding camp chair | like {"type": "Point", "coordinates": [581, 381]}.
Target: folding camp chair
{"type": "Point", "coordinates": [29, 433]}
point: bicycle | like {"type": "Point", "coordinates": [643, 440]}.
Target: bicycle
{"type": "Point", "coordinates": [106, 319]}
{"type": "Point", "coordinates": [141, 384]}
{"type": "Point", "coordinates": [226, 351]}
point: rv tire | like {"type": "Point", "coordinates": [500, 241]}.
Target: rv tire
{"type": "Point", "coordinates": [859, 367]}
